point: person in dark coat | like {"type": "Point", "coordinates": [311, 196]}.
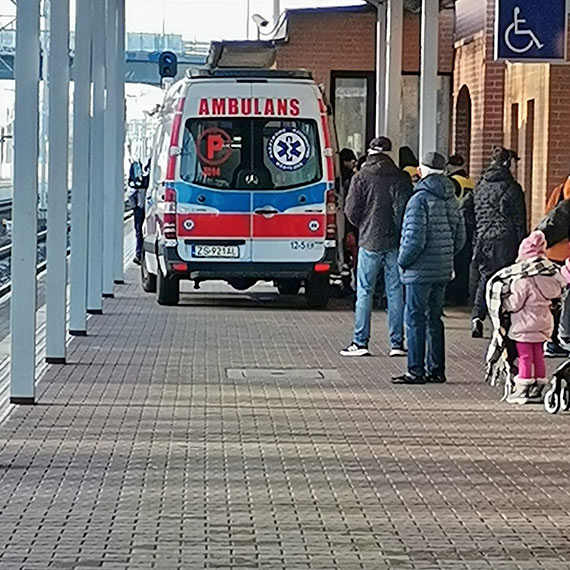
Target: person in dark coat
{"type": "Point", "coordinates": [500, 217]}
{"type": "Point", "coordinates": [458, 289]}
{"type": "Point", "coordinates": [375, 204]}
{"type": "Point", "coordinates": [138, 183]}
{"type": "Point", "coordinates": [433, 233]}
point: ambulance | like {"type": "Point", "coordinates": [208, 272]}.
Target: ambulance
{"type": "Point", "coordinates": [242, 186]}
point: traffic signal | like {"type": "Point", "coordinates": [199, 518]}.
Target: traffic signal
{"type": "Point", "coordinates": [167, 64]}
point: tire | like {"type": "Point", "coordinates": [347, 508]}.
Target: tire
{"type": "Point", "coordinates": [242, 284]}
{"type": "Point", "coordinates": [317, 291]}
{"type": "Point", "coordinates": [552, 399]}
{"type": "Point", "coordinates": [288, 286]}
{"type": "Point", "coordinates": [168, 290]}
{"type": "Point", "coordinates": [565, 397]}
{"type": "Point", "coordinates": [148, 280]}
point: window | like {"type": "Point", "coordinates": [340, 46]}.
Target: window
{"type": "Point", "coordinates": [410, 118]}
{"type": "Point", "coordinates": [251, 154]}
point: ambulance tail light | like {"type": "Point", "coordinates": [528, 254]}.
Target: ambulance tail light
{"type": "Point", "coordinates": [169, 228]}
{"type": "Point", "coordinates": [331, 215]}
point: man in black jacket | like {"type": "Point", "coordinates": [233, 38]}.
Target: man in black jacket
{"type": "Point", "coordinates": [375, 204]}
{"type": "Point", "coordinates": [500, 217]}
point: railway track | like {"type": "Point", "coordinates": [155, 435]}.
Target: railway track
{"type": "Point", "coordinates": [5, 207]}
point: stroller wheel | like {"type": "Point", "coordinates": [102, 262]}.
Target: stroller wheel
{"type": "Point", "coordinates": [552, 399]}
{"type": "Point", "coordinates": [565, 396]}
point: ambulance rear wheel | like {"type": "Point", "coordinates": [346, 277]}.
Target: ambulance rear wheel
{"type": "Point", "coordinates": [317, 291]}
{"type": "Point", "coordinates": [148, 280]}
{"type": "Point", "coordinates": [288, 286]}
{"type": "Point", "coordinates": [168, 290]}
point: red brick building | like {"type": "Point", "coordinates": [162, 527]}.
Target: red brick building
{"type": "Point", "coordinates": [481, 102]}
{"type": "Point", "coordinates": [339, 46]}
{"type": "Point", "coordinates": [524, 106]}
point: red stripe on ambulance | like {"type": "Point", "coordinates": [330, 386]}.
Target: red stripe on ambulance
{"type": "Point", "coordinates": [295, 226]}
{"type": "Point", "coordinates": [214, 225]}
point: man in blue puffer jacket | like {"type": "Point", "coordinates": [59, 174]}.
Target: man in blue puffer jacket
{"type": "Point", "coordinates": [432, 234]}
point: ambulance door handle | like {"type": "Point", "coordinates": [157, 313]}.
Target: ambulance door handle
{"type": "Point", "coordinates": [267, 211]}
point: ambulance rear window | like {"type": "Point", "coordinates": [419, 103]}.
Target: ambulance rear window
{"type": "Point", "coordinates": [251, 154]}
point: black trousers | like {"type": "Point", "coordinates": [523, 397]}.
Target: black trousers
{"type": "Point", "coordinates": [138, 220]}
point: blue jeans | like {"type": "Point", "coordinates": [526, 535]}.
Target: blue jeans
{"type": "Point", "coordinates": [424, 311]}
{"type": "Point", "coordinates": [370, 263]}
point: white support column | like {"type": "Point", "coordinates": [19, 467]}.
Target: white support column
{"type": "Point", "coordinates": [429, 68]}
{"type": "Point", "coordinates": [111, 120]}
{"type": "Point", "coordinates": [276, 12]}
{"type": "Point", "coordinates": [96, 165]}
{"type": "Point", "coordinates": [380, 69]}
{"type": "Point", "coordinates": [56, 278]}
{"type": "Point", "coordinates": [25, 205]}
{"type": "Point", "coordinates": [120, 174]}
{"type": "Point", "coordinates": [80, 189]}
{"type": "Point", "coordinates": [394, 35]}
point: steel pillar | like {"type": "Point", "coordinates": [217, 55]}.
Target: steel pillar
{"type": "Point", "coordinates": [380, 69]}
{"type": "Point", "coordinates": [58, 156]}
{"type": "Point", "coordinates": [111, 120]}
{"type": "Point", "coordinates": [393, 102]}
{"type": "Point", "coordinates": [80, 190]}
{"type": "Point", "coordinates": [120, 155]}
{"type": "Point", "coordinates": [25, 204]}
{"type": "Point", "coordinates": [96, 165]}
{"type": "Point", "coordinates": [429, 69]}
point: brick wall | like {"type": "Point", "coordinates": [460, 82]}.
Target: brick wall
{"type": "Point", "coordinates": [475, 68]}
{"type": "Point", "coordinates": [327, 41]}
{"type": "Point", "coordinates": [559, 127]}
{"type": "Point", "coordinates": [324, 41]}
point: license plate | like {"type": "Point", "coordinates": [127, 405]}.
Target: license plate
{"type": "Point", "coordinates": [216, 251]}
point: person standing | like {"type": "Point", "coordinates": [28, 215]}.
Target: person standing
{"type": "Point", "coordinates": [500, 218]}
{"type": "Point", "coordinates": [375, 205]}
{"type": "Point", "coordinates": [458, 289]}
{"type": "Point", "coordinates": [433, 233]}
{"type": "Point", "coordinates": [138, 183]}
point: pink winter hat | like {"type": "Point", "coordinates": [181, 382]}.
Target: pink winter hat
{"type": "Point", "coordinates": [533, 246]}
{"type": "Point", "coordinates": [565, 271]}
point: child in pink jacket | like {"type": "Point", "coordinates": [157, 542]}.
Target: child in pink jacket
{"type": "Point", "coordinates": [532, 323]}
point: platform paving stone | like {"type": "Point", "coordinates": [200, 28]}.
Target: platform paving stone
{"type": "Point", "coordinates": [161, 445]}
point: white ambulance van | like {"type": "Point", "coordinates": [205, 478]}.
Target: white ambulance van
{"type": "Point", "coordinates": [242, 186]}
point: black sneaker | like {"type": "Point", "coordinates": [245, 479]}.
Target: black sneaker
{"type": "Point", "coordinates": [408, 378]}
{"type": "Point", "coordinates": [137, 260]}
{"type": "Point", "coordinates": [554, 350]}
{"type": "Point", "coordinates": [436, 379]}
{"type": "Point", "coordinates": [355, 350]}
{"type": "Point", "coordinates": [477, 328]}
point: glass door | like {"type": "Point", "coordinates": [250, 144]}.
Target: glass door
{"type": "Point", "coordinates": [353, 104]}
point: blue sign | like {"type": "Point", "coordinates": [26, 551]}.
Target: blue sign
{"type": "Point", "coordinates": [531, 30]}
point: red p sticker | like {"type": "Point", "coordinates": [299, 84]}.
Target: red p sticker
{"type": "Point", "coordinates": [214, 146]}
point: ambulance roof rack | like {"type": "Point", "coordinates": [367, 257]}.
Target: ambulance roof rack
{"type": "Point", "coordinates": [240, 73]}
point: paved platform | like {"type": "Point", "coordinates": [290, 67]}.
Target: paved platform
{"type": "Point", "coordinates": [156, 447]}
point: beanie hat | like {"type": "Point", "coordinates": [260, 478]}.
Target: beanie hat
{"type": "Point", "coordinates": [434, 161]}
{"type": "Point", "coordinates": [380, 144]}
{"type": "Point", "coordinates": [503, 156]}
{"type": "Point", "coordinates": [565, 271]}
{"type": "Point", "coordinates": [533, 246]}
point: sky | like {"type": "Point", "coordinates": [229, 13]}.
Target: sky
{"type": "Point", "coordinates": [208, 19]}
{"type": "Point", "coordinates": [203, 20]}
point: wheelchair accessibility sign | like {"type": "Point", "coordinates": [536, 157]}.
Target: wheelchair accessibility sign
{"type": "Point", "coordinates": [531, 30]}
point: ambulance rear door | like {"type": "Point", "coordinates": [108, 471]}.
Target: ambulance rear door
{"type": "Point", "coordinates": [289, 207]}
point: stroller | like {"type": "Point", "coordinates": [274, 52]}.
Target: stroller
{"type": "Point", "coordinates": [558, 395]}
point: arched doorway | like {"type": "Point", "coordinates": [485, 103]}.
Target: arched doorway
{"type": "Point", "coordinates": [463, 124]}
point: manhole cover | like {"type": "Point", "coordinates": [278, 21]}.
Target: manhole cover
{"type": "Point", "coordinates": [289, 373]}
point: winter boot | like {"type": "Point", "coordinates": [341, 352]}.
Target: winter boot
{"type": "Point", "coordinates": [519, 394]}
{"type": "Point", "coordinates": [536, 391]}
{"type": "Point", "coordinates": [477, 328]}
